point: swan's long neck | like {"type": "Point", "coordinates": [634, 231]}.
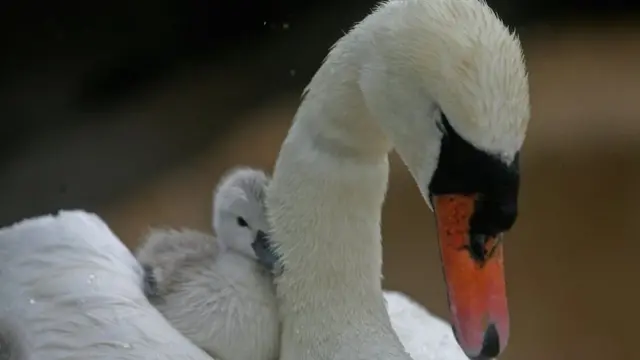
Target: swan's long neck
{"type": "Point", "coordinates": [325, 204]}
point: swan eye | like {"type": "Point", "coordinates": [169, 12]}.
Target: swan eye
{"type": "Point", "coordinates": [242, 222]}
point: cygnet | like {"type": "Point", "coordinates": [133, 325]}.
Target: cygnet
{"type": "Point", "coordinates": [215, 290]}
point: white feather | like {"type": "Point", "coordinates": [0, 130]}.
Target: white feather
{"type": "Point", "coordinates": [221, 300]}
{"type": "Point", "coordinates": [69, 289]}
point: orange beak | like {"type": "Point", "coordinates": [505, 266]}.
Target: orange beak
{"type": "Point", "coordinates": [474, 273]}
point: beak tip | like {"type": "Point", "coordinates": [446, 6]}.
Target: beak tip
{"type": "Point", "coordinates": [491, 346]}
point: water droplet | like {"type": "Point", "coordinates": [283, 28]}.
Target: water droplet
{"type": "Point", "coordinates": [91, 278]}
{"type": "Point", "coordinates": [122, 344]}
{"type": "Point", "coordinates": [32, 301]}
{"type": "Point", "coordinates": [292, 72]}
{"type": "Point", "coordinates": [285, 26]}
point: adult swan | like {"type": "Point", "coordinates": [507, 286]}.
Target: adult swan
{"type": "Point", "coordinates": [443, 82]}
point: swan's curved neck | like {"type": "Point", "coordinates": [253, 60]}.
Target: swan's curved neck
{"type": "Point", "coordinates": [334, 170]}
{"type": "Point", "coordinates": [325, 204]}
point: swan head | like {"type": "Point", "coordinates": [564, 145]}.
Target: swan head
{"type": "Point", "coordinates": [239, 217]}
{"type": "Point", "coordinates": [447, 83]}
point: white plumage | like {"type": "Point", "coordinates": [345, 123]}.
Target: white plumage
{"type": "Point", "coordinates": [70, 290]}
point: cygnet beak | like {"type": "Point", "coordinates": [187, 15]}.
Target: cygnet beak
{"type": "Point", "coordinates": [474, 273]}
{"type": "Point", "coordinates": [264, 253]}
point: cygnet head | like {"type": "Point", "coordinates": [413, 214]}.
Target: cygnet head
{"type": "Point", "coordinates": [239, 218]}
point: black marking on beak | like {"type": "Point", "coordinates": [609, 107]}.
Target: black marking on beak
{"type": "Point", "coordinates": [481, 247]}
{"type": "Point", "coordinates": [491, 343]}
{"type": "Point", "coordinates": [466, 170]}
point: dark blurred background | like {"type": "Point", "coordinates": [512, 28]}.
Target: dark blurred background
{"type": "Point", "coordinates": [133, 109]}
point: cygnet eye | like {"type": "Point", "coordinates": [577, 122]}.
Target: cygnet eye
{"type": "Point", "coordinates": [242, 222]}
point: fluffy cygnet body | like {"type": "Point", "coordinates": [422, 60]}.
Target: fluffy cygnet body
{"type": "Point", "coordinates": [214, 290]}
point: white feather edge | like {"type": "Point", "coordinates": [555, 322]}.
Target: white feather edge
{"type": "Point", "coordinates": [69, 289]}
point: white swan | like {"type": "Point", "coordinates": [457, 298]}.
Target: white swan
{"type": "Point", "coordinates": [443, 82]}
{"type": "Point", "coordinates": [212, 289]}
{"type": "Point", "coordinates": [70, 290]}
